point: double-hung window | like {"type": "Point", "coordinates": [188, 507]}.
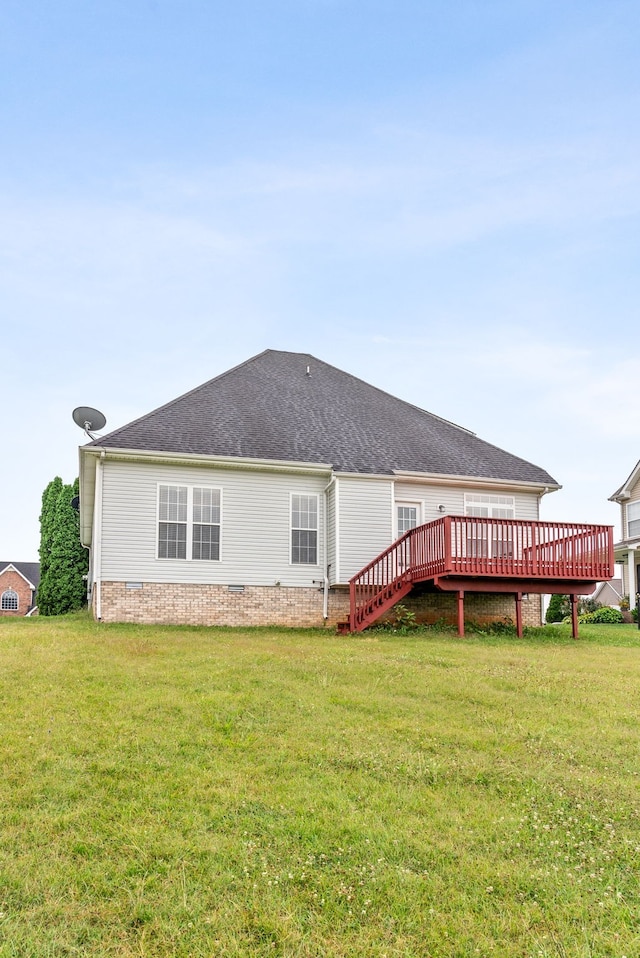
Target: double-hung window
{"type": "Point", "coordinates": [633, 520]}
{"type": "Point", "coordinates": [304, 529]}
{"type": "Point", "coordinates": [188, 522]}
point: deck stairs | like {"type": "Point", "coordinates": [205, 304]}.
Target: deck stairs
{"type": "Point", "coordinates": [465, 553]}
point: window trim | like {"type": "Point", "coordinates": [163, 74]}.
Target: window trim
{"type": "Point", "coordinates": [416, 504]}
{"type": "Point", "coordinates": [308, 565]}
{"type": "Point", "coordinates": [189, 523]}
{"type": "Point", "coordinates": [630, 534]}
{"type": "Point", "coordinates": [492, 501]}
{"type": "Point", "coordinates": [10, 608]}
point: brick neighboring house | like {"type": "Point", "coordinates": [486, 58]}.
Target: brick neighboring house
{"type": "Point", "coordinates": [18, 585]}
{"type": "Point", "coordinates": [257, 497]}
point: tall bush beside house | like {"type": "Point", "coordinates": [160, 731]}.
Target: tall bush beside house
{"type": "Point", "coordinates": [558, 608]}
{"type": "Point", "coordinates": [47, 527]}
{"type": "Point", "coordinates": [63, 561]}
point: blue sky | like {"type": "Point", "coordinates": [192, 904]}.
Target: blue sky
{"type": "Point", "coordinates": [441, 198]}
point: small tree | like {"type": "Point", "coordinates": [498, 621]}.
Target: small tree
{"type": "Point", "coordinates": [558, 608]}
{"type": "Point", "coordinates": [63, 561]}
{"type": "Point", "coordinates": [588, 604]}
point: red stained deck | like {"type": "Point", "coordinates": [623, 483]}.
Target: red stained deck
{"type": "Point", "coordinates": [468, 554]}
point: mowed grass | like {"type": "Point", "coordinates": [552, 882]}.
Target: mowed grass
{"type": "Point", "coordinates": [212, 792]}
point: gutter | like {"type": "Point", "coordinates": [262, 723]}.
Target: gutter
{"type": "Point", "coordinates": [325, 586]}
{"type": "Point", "coordinates": [97, 538]}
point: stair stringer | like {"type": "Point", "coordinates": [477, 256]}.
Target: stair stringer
{"type": "Point", "coordinates": [382, 602]}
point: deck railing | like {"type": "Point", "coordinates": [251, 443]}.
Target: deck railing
{"type": "Point", "coordinates": [476, 546]}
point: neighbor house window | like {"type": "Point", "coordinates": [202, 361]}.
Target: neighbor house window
{"type": "Point", "coordinates": [633, 520]}
{"type": "Point", "coordinates": [188, 522]}
{"type": "Point", "coordinates": [304, 529]}
{"type": "Point", "coordinates": [9, 601]}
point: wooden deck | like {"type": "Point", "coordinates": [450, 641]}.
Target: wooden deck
{"type": "Point", "coordinates": [469, 554]}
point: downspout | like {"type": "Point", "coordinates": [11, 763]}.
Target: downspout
{"type": "Point", "coordinates": [97, 537]}
{"type": "Point", "coordinates": [325, 596]}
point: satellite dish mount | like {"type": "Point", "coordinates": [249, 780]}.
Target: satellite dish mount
{"type": "Point", "coordinates": [89, 419]}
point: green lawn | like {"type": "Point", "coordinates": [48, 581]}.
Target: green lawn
{"type": "Point", "coordinates": [204, 792]}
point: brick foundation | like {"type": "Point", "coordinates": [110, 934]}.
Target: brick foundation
{"type": "Point", "coordinates": [184, 604]}
{"type": "Point", "coordinates": [479, 607]}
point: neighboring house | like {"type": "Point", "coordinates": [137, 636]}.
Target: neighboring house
{"type": "Point", "coordinates": [18, 584]}
{"type": "Point", "coordinates": [257, 497]}
{"type": "Point", "coordinates": [609, 593]}
{"type": "Point", "coordinates": [627, 551]}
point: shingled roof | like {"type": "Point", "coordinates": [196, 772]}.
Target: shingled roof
{"type": "Point", "coordinates": [30, 570]}
{"type": "Point", "coordinates": [295, 408]}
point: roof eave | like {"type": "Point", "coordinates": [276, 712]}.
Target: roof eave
{"type": "Point", "coordinates": [449, 479]}
{"type": "Point", "coordinates": [623, 493]}
{"type": "Point", "coordinates": [10, 567]}
{"type": "Point", "coordinates": [229, 462]}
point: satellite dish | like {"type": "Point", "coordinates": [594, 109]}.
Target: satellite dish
{"type": "Point", "coordinates": [89, 419]}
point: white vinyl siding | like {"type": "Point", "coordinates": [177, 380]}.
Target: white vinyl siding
{"type": "Point", "coordinates": [332, 570]}
{"type": "Point", "coordinates": [432, 495]}
{"type": "Point", "coordinates": [366, 523]}
{"type": "Point", "coordinates": [254, 531]}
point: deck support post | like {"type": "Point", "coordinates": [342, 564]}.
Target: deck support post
{"type": "Point", "coordinates": [574, 615]}
{"type": "Point", "coordinates": [461, 613]}
{"type": "Point", "coordinates": [519, 614]}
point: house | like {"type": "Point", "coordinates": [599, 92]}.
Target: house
{"type": "Point", "coordinates": [261, 496]}
{"type": "Point", "coordinates": [18, 585]}
{"type": "Point", "coordinates": [609, 593]}
{"type": "Point", "coordinates": [627, 551]}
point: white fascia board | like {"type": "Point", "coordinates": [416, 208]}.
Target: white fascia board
{"type": "Point", "coordinates": [541, 488]}
{"type": "Point", "coordinates": [373, 476]}
{"type": "Point", "coordinates": [223, 462]}
{"type": "Point", "coordinates": [622, 494]}
{"type": "Point", "coordinates": [11, 568]}
{"type": "Point", "coordinates": [87, 487]}
{"type": "Point", "coordinates": [626, 544]}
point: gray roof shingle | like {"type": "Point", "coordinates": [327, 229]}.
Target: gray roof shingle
{"type": "Point", "coordinates": [270, 407]}
{"type": "Point", "coordinates": [30, 570]}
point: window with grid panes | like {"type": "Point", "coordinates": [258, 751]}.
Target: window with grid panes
{"type": "Point", "coordinates": [489, 540]}
{"type": "Point", "coordinates": [206, 524]}
{"type": "Point", "coordinates": [304, 529]}
{"type": "Point", "coordinates": [188, 522]}
{"type": "Point", "coordinates": [9, 601]}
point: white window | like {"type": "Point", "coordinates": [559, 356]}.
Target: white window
{"type": "Point", "coordinates": [188, 522]}
{"type": "Point", "coordinates": [490, 507]}
{"type": "Point", "coordinates": [489, 540]}
{"type": "Point", "coordinates": [407, 516]}
{"type": "Point", "coordinates": [304, 529]}
{"type": "Point", "coordinates": [9, 601]}
{"type": "Point", "coordinates": [633, 520]}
